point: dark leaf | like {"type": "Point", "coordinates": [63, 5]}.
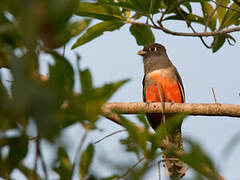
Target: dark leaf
{"type": "Point", "coordinates": [86, 160]}
{"type": "Point", "coordinates": [63, 166]}
{"type": "Point", "coordinates": [142, 34]}
{"type": "Point", "coordinates": [191, 18]}
{"type": "Point", "coordinates": [167, 128]}
{"type": "Point", "coordinates": [97, 30]}
{"type": "Point", "coordinates": [86, 81]}
{"type": "Point", "coordinates": [61, 75]}
{"type": "Point", "coordinates": [18, 148]}
{"type": "Point", "coordinates": [218, 42]}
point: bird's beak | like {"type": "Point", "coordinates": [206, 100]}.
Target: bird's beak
{"type": "Point", "coordinates": [141, 53]}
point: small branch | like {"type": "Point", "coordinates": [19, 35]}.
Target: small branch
{"type": "Point", "coordinates": [44, 167]}
{"type": "Point", "coordinates": [203, 34]}
{"type": "Point", "coordinates": [36, 159]}
{"type": "Point", "coordinates": [214, 96]}
{"type": "Point", "coordinates": [122, 130]}
{"type": "Point", "coordinates": [64, 48]}
{"type": "Point", "coordinates": [80, 148]}
{"type": "Point", "coordinates": [220, 4]}
{"type": "Point", "coordinates": [131, 168]}
{"type": "Point", "coordinates": [159, 170]}
{"type": "Point", "coordinates": [193, 30]}
{"type": "Point", "coordinates": [189, 108]}
{"type": "Point", "coordinates": [37, 156]}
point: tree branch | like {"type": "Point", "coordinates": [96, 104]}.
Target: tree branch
{"type": "Point", "coordinates": [195, 109]}
{"type": "Point", "coordinates": [168, 31]}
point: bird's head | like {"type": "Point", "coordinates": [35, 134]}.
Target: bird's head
{"type": "Point", "coordinates": [152, 49]}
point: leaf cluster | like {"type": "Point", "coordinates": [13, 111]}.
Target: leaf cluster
{"type": "Point", "coordinates": [115, 14]}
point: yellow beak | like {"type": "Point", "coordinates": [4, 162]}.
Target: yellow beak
{"type": "Point", "coordinates": [141, 53]}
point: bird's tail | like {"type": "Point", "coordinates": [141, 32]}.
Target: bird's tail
{"type": "Point", "coordinates": [174, 167]}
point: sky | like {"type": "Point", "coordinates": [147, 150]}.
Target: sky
{"type": "Point", "coordinates": [113, 57]}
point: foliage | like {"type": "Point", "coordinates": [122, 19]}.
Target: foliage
{"type": "Point", "coordinates": [31, 28]}
{"type": "Point", "coordinates": [214, 17]}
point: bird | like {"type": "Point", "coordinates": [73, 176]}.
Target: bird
{"type": "Point", "coordinates": [162, 83]}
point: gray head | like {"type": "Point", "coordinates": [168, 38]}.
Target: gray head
{"type": "Point", "coordinates": [154, 57]}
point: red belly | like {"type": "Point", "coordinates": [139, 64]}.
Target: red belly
{"type": "Point", "coordinates": [165, 88]}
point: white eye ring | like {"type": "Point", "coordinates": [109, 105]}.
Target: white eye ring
{"type": "Point", "coordinates": [153, 49]}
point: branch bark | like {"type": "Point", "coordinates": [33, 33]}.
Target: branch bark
{"type": "Point", "coordinates": [195, 109]}
{"type": "Point", "coordinates": [197, 34]}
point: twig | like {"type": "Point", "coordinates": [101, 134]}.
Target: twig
{"type": "Point", "coordinates": [122, 130]}
{"type": "Point", "coordinates": [193, 30]}
{"type": "Point", "coordinates": [214, 96]}
{"type": "Point", "coordinates": [159, 170]}
{"type": "Point", "coordinates": [64, 47]}
{"type": "Point", "coordinates": [80, 148]}
{"type": "Point", "coordinates": [220, 4]}
{"type": "Point", "coordinates": [37, 156]}
{"type": "Point", "coordinates": [131, 168]}
{"type": "Point", "coordinates": [36, 159]}
{"type": "Point", "coordinates": [44, 167]}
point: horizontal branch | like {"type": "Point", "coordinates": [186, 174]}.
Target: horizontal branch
{"type": "Point", "coordinates": [195, 34]}
{"type": "Point", "coordinates": [196, 109]}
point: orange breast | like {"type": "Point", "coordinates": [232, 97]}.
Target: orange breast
{"type": "Point", "coordinates": [164, 88]}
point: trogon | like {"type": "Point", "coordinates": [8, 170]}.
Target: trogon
{"type": "Point", "coordinates": [162, 83]}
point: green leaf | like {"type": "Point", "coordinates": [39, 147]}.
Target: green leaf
{"type": "Point", "coordinates": [221, 11]}
{"type": "Point", "coordinates": [97, 30]}
{"type": "Point", "coordinates": [142, 34]}
{"type": "Point", "coordinates": [207, 12]}
{"type": "Point", "coordinates": [218, 42]}
{"type": "Point", "coordinates": [231, 17]}
{"type": "Point", "coordinates": [99, 11]}
{"type": "Point", "coordinates": [63, 165]}
{"type": "Point", "coordinates": [136, 141]}
{"type": "Point", "coordinates": [61, 75]}
{"type": "Point", "coordinates": [199, 160]}
{"type": "Point", "coordinates": [18, 148]}
{"type": "Point", "coordinates": [142, 7]}
{"type": "Point", "coordinates": [86, 80]}
{"type": "Point", "coordinates": [173, 122]}
{"type": "Point", "coordinates": [77, 27]}
{"type": "Point", "coordinates": [86, 160]}
{"type": "Point", "coordinates": [191, 17]}
{"type": "Point", "coordinates": [5, 57]}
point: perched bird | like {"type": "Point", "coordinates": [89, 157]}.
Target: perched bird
{"type": "Point", "coordinates": [162, 83]}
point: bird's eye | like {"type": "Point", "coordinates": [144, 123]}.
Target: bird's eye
{"type": "Point", "coordinates": [153, 49]}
